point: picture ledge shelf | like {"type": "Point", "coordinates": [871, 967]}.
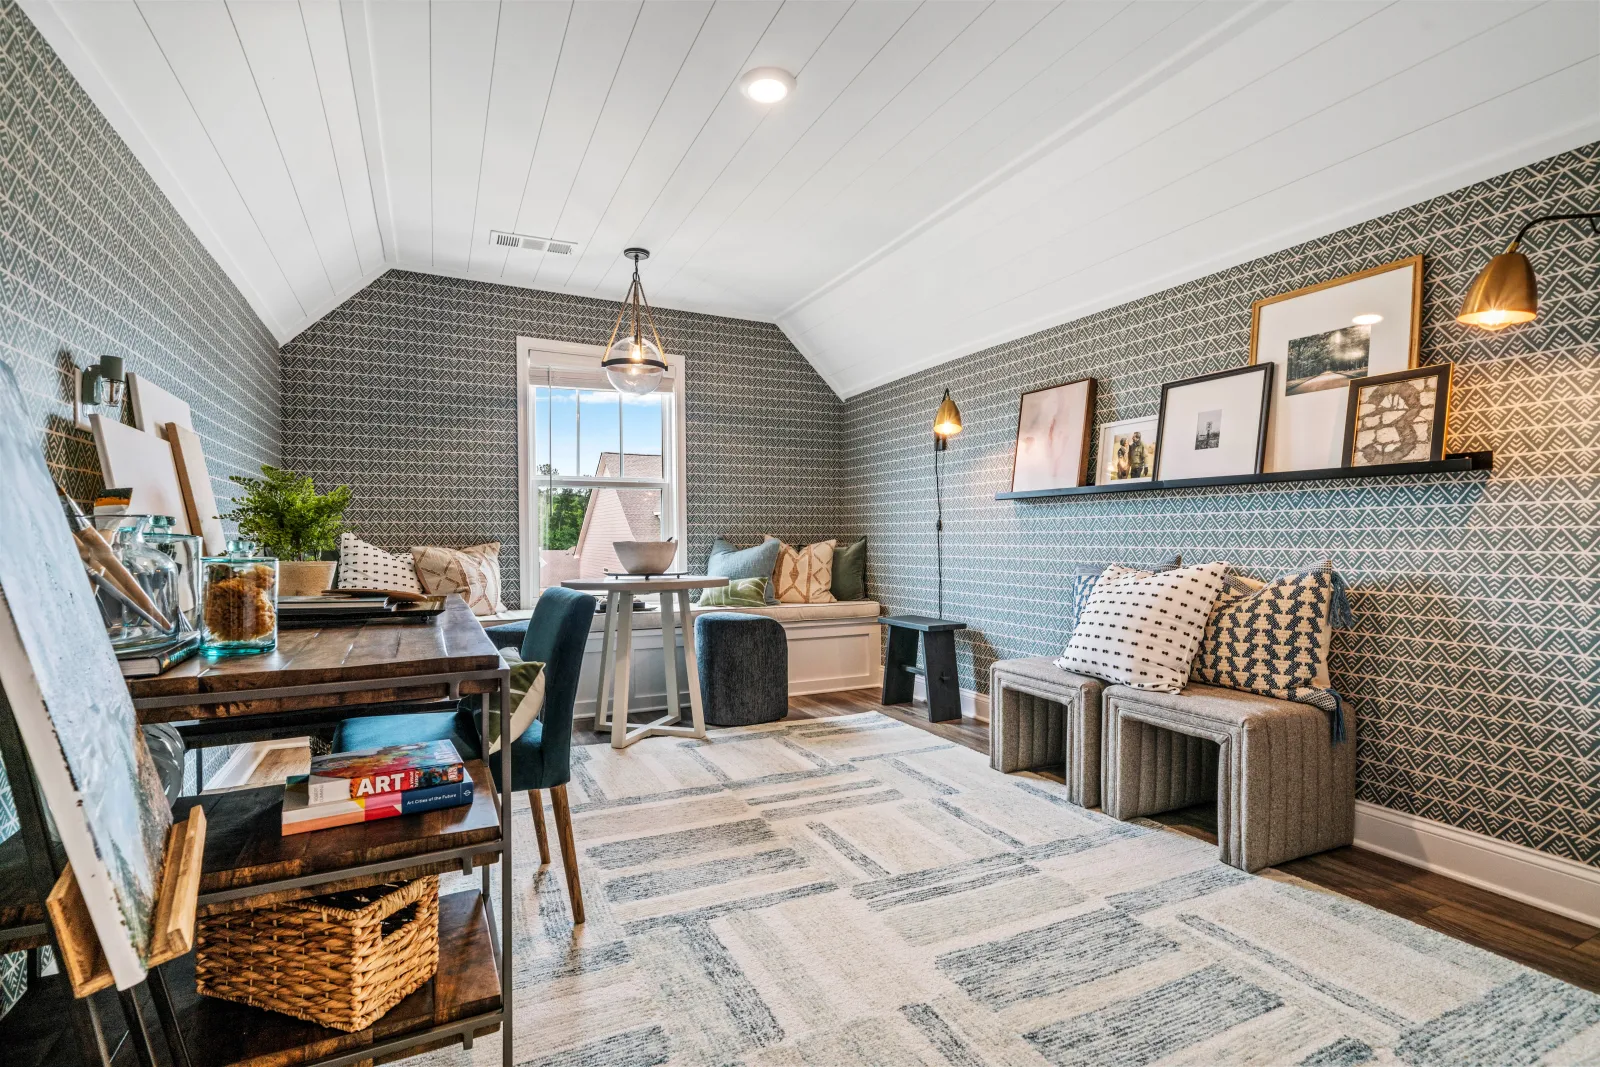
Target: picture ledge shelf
{"type": "Point", "coordinates": [1453, 463]}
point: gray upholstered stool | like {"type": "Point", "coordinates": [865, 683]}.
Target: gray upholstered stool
{"type": "Point", "coordinates": [1042, 716]}
{"type": "Point", "coordinates": [1283, 788]}
{"type": "Point", "coordinates": [744, 668]}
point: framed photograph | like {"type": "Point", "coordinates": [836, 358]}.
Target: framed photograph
{"type": "Point", "coordinates": [1214, 425]}
{"type": "Point", "coordinates": [1128, 450]}
{"type": "Point", "coordinates": [1322, 338]}
{"type": "Point", "coordinates": [1053, 426]}
{"type": "Point", "coordinates": [1397, 418]}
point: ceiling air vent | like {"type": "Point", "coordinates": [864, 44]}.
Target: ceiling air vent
{"type": "Point", "coordinates": [501, 239]}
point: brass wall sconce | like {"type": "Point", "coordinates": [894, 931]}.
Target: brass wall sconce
{"type": "Point", "coordinates": [1505, 292]}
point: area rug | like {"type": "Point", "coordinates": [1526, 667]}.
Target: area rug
{"type": "Point", "coordinates": [857, 891]}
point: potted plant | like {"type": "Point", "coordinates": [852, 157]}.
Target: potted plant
{"type": "Point", "coordinates": [285, 514]}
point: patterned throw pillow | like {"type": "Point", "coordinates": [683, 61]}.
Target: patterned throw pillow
{"type": "Point", "coordinates": [1081, 582]}
{"type": "Point", "coordinates": [805, 575]}
{"type": "Point", "coordinates": [738, 593]}
{"type": "Point", "coordinates": [474, 572]}
{"type": "Point", "coordinates": [365, 566]}
{"type": "Point", "coordinates": [1272, 638]}
{"type": "Point", "coordinates": [1142, 629]}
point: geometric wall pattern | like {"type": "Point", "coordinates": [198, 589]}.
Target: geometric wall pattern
{"type": "Point", "coordinates": [1473, 666]}
{"type": "Point", "coordinates": [94, 261]}
{"type": "Point", "coordinates": [407, 393]}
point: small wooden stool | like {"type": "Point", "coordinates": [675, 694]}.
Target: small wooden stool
{"type": "Point", "coordinates": [939, 656]}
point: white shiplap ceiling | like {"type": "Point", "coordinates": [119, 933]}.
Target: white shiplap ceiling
{"type": "Point", "coordinates": [946, 176]}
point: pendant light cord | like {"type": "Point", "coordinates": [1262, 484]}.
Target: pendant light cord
{"type": "Point", "coordinates": [938, 527]}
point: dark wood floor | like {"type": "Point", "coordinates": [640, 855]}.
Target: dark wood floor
{"type": "Point", "coordinates": [1558, 946]}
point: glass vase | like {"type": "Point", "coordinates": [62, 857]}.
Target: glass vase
{"type": "Point", "coordinates": [241, 604]}
{"type": "Point", "coordinates": [185, 550]}
{"type": "Point", "coordinates": [130, 624]}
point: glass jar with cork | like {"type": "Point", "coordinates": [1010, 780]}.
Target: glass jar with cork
{"type": "Point", "coordinates": [241, 601]}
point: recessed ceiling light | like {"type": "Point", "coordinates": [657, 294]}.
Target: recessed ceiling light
{"type": "Point", "coordinates": [1366, 320]}
{"type": "Point", "coordinates": [766, 85]}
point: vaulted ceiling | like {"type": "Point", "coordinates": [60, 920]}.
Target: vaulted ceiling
{"type": "Point", "coordinates": [946, 175]}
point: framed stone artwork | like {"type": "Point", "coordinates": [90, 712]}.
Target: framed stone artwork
{"type": "Point", "coordinates": [72, 707]}
{"type": "Point", "coordinates": [1214, 426]}
{"type": "Point", "coordinates": [1128, 450]}
{"type": "Point", "coordinates": [1322, 338]}
{"type": "Point", "coordinates": [1397, 418]}
{"type": "Point", "coordinates": [1053, 427]}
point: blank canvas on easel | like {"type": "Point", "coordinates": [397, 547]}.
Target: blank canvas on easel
{"type": "Point", "coordinates": [72, 707]}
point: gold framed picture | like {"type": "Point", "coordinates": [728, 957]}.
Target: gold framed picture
{"type": "Point", "coordinates": [1323, 337]}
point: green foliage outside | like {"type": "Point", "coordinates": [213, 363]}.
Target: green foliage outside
{"type": "Point", "coordinates": [283, 512]}
{"type": "Point", "coordinates": [563, 514]}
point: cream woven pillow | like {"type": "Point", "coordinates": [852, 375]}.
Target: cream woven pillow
{"type": "Point", "coordinates": [1142, 629]}
{"type": "Point", "coordinates": [474, 572]}
{"type": "Point", "coordinates": [365, 566]}
{"type": "Point", "coordinates": [805, 575]}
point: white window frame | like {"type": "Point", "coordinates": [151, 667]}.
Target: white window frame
{"type": "Point", "coordinates": [535, 356]}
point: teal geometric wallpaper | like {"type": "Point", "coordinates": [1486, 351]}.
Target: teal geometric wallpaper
{"type": "Point", "coordinates": [1473, 667]}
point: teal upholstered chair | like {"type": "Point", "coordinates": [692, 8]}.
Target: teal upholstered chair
{"type": "Point", "coordinates": [541, 758]}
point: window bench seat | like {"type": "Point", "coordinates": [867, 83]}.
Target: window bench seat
{"type": "Point", "coordinates": [831, 647]}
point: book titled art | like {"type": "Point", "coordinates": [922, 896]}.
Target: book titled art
{"type": "Point", "coordinates": [392, 769]}
{"type": "Point", "coordinates": [301, 815]}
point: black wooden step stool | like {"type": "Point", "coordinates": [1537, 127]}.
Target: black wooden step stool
{"type": "Point", "coordinates": [938, 655]}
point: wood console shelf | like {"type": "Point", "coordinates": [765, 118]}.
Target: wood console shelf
{"type": "Point", "coordinates": [1451, 464]}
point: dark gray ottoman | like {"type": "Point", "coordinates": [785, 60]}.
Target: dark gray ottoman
{"type": "Point", "coordinates": [744, 668]}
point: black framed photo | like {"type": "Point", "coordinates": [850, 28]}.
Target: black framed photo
{"type": "Point", "coordinates": [1215, 425]}
{"type": "Point", "coordinates": [1398, 418]}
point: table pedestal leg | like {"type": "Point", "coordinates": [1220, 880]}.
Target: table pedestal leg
{"type": "Point", "coordinates": [691, 667]}
{"type": "Point", "coordinates": [603, 686]}
{"type": "Point", "coordinates": [669, 656]}
{"type": "Point", "coordinates": [622, 652]}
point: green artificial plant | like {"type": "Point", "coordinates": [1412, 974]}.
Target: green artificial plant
{"type": "Point", "coordinates": [283, 512]}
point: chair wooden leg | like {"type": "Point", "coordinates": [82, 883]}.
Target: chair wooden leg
{"type": "Point", "coordinates": [569, 850]}
{"type": "Point", "coordinates": [536, 803]}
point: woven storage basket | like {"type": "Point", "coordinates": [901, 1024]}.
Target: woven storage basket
{"type": "Point", "coordinates": [341, 960]}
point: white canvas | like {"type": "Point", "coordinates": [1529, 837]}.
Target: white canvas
{"type": "Point", "coordinates": [72, 707]}
{"type": "Point", "coordinates": [1231, 446]}
{"type": "Point", "coordinates": [1050, 438]}
{"type": "Point", "coordinates": [1305, 430]}
{"type": "Point", "coordinates": [154, 407]}
{"type": "Point", "coordinates": [133, 459]}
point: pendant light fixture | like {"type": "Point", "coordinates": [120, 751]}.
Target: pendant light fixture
{"type": "Point", "coordinates": [1505, 292]}
{"type": "Point", "coordinates": [635, 362]}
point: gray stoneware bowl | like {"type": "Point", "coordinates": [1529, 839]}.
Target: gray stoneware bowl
{"type": "Point", "coordinates": [645, 557]}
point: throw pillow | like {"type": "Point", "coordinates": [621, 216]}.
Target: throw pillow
{"type": "Point", "coordinates": [1084, 576]}
{"type": "Point", "coordinates": [738, 593]}
{"type": "Point", "coordinates": [850, 571]}
{"type": "Point", "coordinates": [474, 572]}
{"type": "Point", "coordinates": [365, 566]}
{"type": "Point", "coordinates": [1141, 629]}
{"type": "Point", "coordinates": [805, 575]}
{"type": "Point", "coordinates": [527, 697]}
{"type": "Point", "coordinates": [1272, 638]}
{"type": "Point", "coordinates": [758, 561]}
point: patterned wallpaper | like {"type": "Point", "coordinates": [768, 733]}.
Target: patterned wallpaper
{"type": "Point", "coordinates": [421, 373]}
{"type": "Point", "coordinates": [1472, 663]}
{"type": "Point", "coordinates": [94, 261]}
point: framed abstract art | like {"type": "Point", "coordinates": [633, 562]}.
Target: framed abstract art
{"type": "Point", "coordinates": [1323, 337]}
{"type": "Point", "coordinates": [1053, 427]}
{"type": "Point", "coordinates": [1397, 418]}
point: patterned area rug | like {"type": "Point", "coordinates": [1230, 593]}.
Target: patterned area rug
{"type": "Point", "coordinates": [856, 891]}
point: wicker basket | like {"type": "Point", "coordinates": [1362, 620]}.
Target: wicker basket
{"type": "Point", "coordinates": [341, 960]}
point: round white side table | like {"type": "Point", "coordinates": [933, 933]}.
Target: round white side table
{"type": "Point", "coordinates": [616, 654]}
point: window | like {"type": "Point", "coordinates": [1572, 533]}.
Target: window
{"type": "Point", "coordinates": [596, 466]}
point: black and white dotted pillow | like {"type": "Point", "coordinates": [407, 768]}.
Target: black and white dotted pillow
{"type": "Point", "coordinates": [1142, 630]}
{"type": "Point", "coordinates": [364, 566]}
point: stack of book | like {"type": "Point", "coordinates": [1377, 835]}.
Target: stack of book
{"type": "Point", "coordinates": [376, 783]}
{"type": "Point", "coordinates": [148, 662]}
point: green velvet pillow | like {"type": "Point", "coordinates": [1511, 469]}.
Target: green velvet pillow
{"type": "Point", "coordinates": [738, 593]}
{"type": "Point", "coordinates": [850, 571]}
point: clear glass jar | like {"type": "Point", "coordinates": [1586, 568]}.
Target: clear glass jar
{"type": "Point", "coordinates": [185, 550]}
{"type": "Point", "coordinates": [131, 626]}
{"type": "Point", "coordinates": [241, 602]}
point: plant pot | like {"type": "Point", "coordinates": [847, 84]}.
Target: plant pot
{"type": "Point", "coordinates": [305, 577]}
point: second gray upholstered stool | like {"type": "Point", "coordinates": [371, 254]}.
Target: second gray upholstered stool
{"type": "Point", "coordinates": [744, 668]}
{"type": "Point", "coordinates": [1283, 788]}
{"type": "Point", "coordinates": [1042, 716]}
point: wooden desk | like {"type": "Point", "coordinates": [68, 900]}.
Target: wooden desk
{"type": "Point", "coordinates": [317, 677]}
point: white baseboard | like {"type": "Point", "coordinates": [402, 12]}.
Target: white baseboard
{"type": "Point", "coordinates": [973, 705]}
{"type": "Point", "coordinates": [1563, 886]}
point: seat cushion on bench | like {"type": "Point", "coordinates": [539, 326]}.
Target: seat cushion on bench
{"type": "Point", "coordinates": [1043, 716]}
{"type": "Point", "coordinates": [1283, 788]}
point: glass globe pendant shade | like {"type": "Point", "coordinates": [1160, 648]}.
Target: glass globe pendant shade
{"type": "Point", "coordinates": [634, 366]}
